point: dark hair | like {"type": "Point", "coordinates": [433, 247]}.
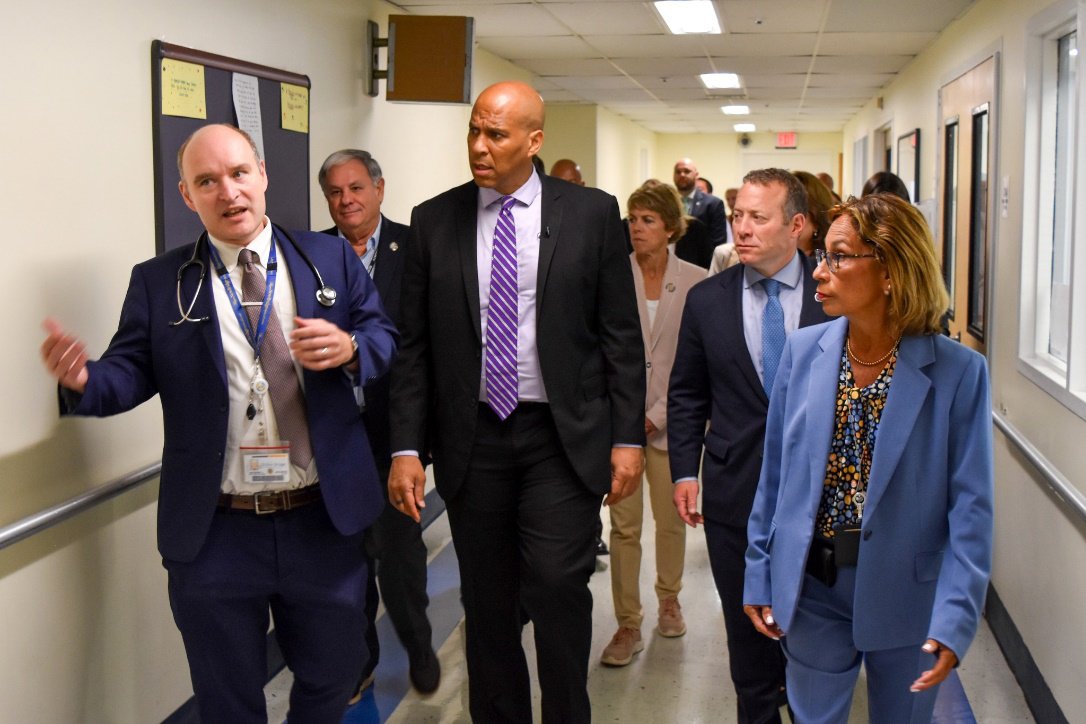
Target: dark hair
{"type": "Point", "coordinates": [345, 156]}
{"type": "Point", "coordinates": [708, 183]}
{"type": "Point", "coordinates": [796, 200]}
{"type": "Point", "coordinates": [885, 182]}
{"type": "Point", "coordinates": [819, 202]}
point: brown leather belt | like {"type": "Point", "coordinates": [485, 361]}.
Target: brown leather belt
{"type": "Point", "coordinates": [271, 501]}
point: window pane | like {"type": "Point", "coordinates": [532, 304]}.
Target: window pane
{"type": "Point", "coordinates": [978, 224]}
{"type": "Point", "coordinates": [1060, 295]}
{"type": "Point", "coordinates": [950, 208]}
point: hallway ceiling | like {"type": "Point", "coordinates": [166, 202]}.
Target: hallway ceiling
{"type": "Point", "coordinates": [805, 65]}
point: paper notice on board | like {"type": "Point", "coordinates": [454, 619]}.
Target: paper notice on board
{"type": "Point", "coordinates": [183, 91]}
{"type": "Point", "coordinates": [295, 104]}
{"type": "Point", "coordinates": [247, 107]}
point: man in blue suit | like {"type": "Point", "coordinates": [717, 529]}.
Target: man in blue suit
{"type": "Point", "coordinates": [267, 478]}
{"type": "Point", "coordinates": [354, 188]}
{"type": "Point", "coordinates": [720, 378]}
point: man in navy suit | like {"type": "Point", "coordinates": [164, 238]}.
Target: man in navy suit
{"type": "Point", "coordinates": [267, 479]}
{"type": "Point", "coordinates": [719, 378]}
{"type": "Point", "coordinates": [354, 188]}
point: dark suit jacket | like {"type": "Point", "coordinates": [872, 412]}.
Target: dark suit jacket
{"type": "Point", "coordinates": [710, 210]}
{"type": "Point", "coordinates": [588, 334]}
{"type": "Point", "coordinates": [185, 366]}
{"type": "Point", "coordinates": [695, 246]}
{"type": "Point", "coordinates": [714, 380]}
{"type": "Point", "coordinates": [388, 274]}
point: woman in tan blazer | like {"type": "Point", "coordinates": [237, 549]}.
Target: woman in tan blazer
{"type": "Point", "coordinates": [661, 281]}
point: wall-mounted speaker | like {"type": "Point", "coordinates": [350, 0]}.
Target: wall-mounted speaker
{"type": "Point", "coordinates": [744, 140]}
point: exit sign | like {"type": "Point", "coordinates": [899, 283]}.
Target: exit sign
{"type": "Point", "coordinates": [786, 139]}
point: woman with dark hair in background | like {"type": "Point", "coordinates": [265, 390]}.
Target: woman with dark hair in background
{"type": "Point", "coordinates": [885, 182]}
{"type": "Point", "coordinates": [870, 540]}
{"type": "Point", "coordinates": [819, 202]}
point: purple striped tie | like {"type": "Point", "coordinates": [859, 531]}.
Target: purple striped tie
{"type": "Point", "coordinates": [501, 325]}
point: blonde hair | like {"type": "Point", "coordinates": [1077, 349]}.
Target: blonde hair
{"type": "Point", "coordinates": [663, 200]}
{"type": "Point", "coordinates": [902, 241]}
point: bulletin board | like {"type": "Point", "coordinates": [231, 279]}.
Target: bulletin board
{"type": "Point", "coordinates": [191, 88]}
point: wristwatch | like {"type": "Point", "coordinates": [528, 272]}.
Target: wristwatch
{"type": "Point", "coordinates": [354, 349]}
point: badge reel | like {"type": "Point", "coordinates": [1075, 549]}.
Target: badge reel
{"type": "Point", "coordinates": [846, 540]}
{"type": "Point", "coordinates": [267, 462]}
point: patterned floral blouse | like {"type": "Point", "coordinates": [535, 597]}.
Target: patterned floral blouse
{"type": "Point", "coordinates": [856, 424]}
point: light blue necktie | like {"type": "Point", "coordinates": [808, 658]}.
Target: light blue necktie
{"type": "Point", "coordinates": [502, 316]}
{"type": "Point", "coordinates": [772, 333]}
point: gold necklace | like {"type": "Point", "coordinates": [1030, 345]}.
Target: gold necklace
{"type": "Point", "coordinates": [879, 361]}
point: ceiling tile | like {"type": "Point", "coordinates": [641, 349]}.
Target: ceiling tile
{"type": "Point", "coordinates": [538, 47]}
{"type": "Point", "coordinates": [501, 19]}
{"type": "Point", "coordinates": [913, 16]}
{"type": "Point", "coordinates": [594, 18]}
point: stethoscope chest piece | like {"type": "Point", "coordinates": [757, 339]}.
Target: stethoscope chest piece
{"type": "Point", "coordinates": [326, 296]}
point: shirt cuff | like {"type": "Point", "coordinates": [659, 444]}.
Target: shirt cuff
{"type": "Point", "coordinates": [404, 453]}
{"type": "Point", "coordinates": [686, 480]}
{"type": "Point", "coordinates": [626, 444]}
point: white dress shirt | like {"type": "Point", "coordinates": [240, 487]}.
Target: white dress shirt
{"type": "Point", "coordinates": [239, 357]}
{"type": "Point", "coordinates": [754, 301]}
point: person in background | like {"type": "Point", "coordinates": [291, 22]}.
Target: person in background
{"type": "Point", "coordinates": [732, 332]}
{"type": "Point", "coordinates": [661, 281]}
{"type": "Point", "coordinates": [705, 207]}
{"type": "Point", "coordinates": [567, 170]}
{"type": "Point", "coordinates": [255, 380]}
{"type": "Point", "coordinates": [523, 372]}
{"type": "Point", "coordinates": [871, 531]}
{"type": "Point", "coordinates": [885, 182]}
{"type": "Point", "coordinates": [819, 202]}
{"type": "Point", "coordinates": [704, 185]}
{"type": "Point", "coordinates": [354, 188]}
{"type": "Point", "coordinates": [826, 179]}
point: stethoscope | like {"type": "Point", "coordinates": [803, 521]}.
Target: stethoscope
{"type": "Point", "coordinates": [326, 295]}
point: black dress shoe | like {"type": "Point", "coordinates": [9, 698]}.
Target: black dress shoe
{"type": "Point", "coordinates": [425, 671]}
{"type": "Point", "coordinates": [601, 547]}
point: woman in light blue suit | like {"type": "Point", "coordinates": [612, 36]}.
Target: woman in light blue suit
{"type": "Point", "coordinates": [870, 537]}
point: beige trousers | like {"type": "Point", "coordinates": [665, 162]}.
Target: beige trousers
{"type": "Point", "coordinates": [626, 520]}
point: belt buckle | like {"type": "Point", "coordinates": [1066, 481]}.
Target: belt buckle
{"type": "Point", "coordinates": [265, 495]}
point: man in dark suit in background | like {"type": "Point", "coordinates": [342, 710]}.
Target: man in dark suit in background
{"type": "Point", "coordinates": [354, 188]}
{"type": "Point", "coordinates": [522, 371]}
{"type": "Point", "coordinates": [706, 207]}
{"type": "Point", "coordinates": [267, 480]}
{"type": "Point", "coordinates": [732, 332]}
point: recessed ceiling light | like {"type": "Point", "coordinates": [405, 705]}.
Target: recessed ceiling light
{"type": "Point", "coordinates": [744, 128]}
{"type": "Point", "coordinates": [736, 110]}
{"type": "Point", "coordinates": [720, 80]}
{"type": "Point", "coordinates": [684, 17]}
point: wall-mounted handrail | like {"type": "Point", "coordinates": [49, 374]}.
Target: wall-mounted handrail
{"type": "Point", "coordinates": [17, 531]}
{"type": "Point", "coordinates": [1068, 494]}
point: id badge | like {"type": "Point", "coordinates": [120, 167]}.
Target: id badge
{"type": "Point", "coordinates": [266, 464]}
{"type": "Point", "coordinates": [846, 546]}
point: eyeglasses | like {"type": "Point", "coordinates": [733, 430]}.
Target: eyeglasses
{"type": "Point", "coordinates": [833, 259]}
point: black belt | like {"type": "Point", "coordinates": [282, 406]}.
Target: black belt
{"type": "Point", "coordinates": [271, 501]}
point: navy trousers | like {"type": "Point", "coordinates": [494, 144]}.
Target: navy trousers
{"type": "Point", "coordinates": [310, 578]}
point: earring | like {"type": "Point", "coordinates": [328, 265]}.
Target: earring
{"type": "Point", "coordinates": [887, 290]}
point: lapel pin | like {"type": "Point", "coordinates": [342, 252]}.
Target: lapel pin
{"type": "Point", "coordinates": [394, 246]}
{"type": "Point", "coordinates": [670, 286]}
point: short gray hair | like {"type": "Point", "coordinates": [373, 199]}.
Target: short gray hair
{"type": "Point", "coordinates": [345, 156]}
{"type": "Point", "coordinates": [796, 200]}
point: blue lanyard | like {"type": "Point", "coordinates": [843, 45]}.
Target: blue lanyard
{"type": "Point", "coordinates": [255, 338]}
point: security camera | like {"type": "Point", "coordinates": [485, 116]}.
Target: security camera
{"type": "Point", "coordinates": [744, 140]}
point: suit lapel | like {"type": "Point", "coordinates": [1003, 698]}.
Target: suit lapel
{"type": "Point", "coordinates": [642, 304]}
{"type": "Point", "coordinates": [733, 289]}
{"type": "Point", "coordinates": [388, 261]}
{"type": "Point", "coordinates": [667, 297]}
{"type": "Point", "coordinates": [205, 307]}
{"type": "Point", "coordinates": [302, 279]}
{"type": "Point", "coordinates": [550, 230]}
{"type": "Point", "coordinates": [810, 311]}
{"type": "Point", "coordinates": [908, 391]}
{"type": "Point", "coordinates": [821, 400]}
{"type": "Point", "coordinates": [466, 213]}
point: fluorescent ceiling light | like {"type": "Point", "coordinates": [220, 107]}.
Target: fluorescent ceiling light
{"type": "Point", "coordinates": [744, 128]}
{"type": "Point", "coordinates": [736, 110]}
{"type": "Point", "coordinates": [689, 16]}
{"type": "Point", "coordinates": [720, 80]}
